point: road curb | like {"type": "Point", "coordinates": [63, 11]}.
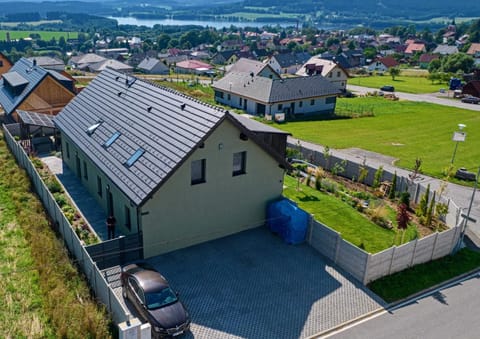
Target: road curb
{"type": "Point", "coordinates": [395, 304]}
{"type": "Point", "coordinates": [346, 323]}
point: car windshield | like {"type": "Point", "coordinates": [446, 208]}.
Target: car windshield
{"type": "Point", "coordinates": [160, 298]}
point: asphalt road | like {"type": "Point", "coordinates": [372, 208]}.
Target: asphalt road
{"type": "Point", "coordinates": [434, 98]}
{"type": "Point", "coordinates": [450, 312]}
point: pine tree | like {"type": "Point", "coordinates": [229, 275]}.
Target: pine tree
{"type": "Point", "coordinates": [393, 188]}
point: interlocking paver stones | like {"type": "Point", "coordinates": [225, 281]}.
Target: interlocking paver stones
{"type": "Point", "coordinates": [253, 285]}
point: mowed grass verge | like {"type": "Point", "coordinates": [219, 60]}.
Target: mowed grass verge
{"type": "Point", "coordinates": [42, 295]}
{"type": "Point", "coordinates": [402, 129]}
{"type": "Point", "coordinates": [407, 84]}
{"type": "Point", "coordinates": [343, 218]}
{"type": "Point", "coordinates": [418, 278]}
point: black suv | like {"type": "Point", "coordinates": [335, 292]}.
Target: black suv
{"type": "Point", "coordinates": [387, 88]}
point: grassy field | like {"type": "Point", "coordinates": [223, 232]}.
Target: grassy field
{"type": "Point", "coordinates": [402, 83]}
{"type": "Point", "coordinates": [420, 277]}
{"type": "Point", "coordinates": [343, 218]}
{"type": "Point", "coordinates": [402, 129]}
{"type": "Point", "coordinates": [41, 295]}
{"type": "Point", "coordinates": [31, 23]}
{"type": "Point", "coordinates": [46, 35]}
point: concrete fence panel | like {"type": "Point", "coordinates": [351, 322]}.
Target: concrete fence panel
{"type": "Point", "coordinates": [352, 259]}
{"type": "Point", "coordinates": [379, 265]}
{"type": "Point", "coordinates": [424, 249]}
{"type": "Point", "coordinates": [445, 243]}
{"type": "Point", "coordinates": [324, 239]}
{"type": "Point", "coordinates": [403, 257]}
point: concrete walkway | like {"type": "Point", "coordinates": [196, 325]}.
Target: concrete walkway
{"type": "Point", "coordinates": [87, 205]}
{"type": "Point", "coordinates": [460, 195]}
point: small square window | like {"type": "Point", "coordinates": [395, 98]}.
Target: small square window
{"type": "Point", "coordinates": [239, 163]}
{"type": "Point", "coordinates": [300, 104]}
{"type": "Point", "coordinates": [312, 102]}
{"type": "Point", "coordinates": [338, 74]}
{"type": "Point", "coordinates": [280, 107]}
{"type": "Point", "coordinates": [330, 75]}
{"type": "Point", "coordinates": [85, 172]}
{"type": "Point", "coordinates": [99, 186]}
{"type": "Point", "coordinates": [198, 172]}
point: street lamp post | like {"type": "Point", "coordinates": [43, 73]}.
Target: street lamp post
{"type": "Point", "coordinates": [458, 136]}
{"type": "Point", "coordinates": [467, 216]}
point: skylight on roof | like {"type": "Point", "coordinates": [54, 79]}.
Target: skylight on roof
{"type": "Point", "coordinates": [93, 128]}
{"type": "Point", "coordinates": [138, 153]}
{"type": "Point", "coordinates": [112, 139]}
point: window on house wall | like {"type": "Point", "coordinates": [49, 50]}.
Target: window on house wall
{"type": "Point", "coordinates": [330, 74]}
{"type": "Point", "coordinates": [300, 104]}
{"type": "Point", "coordinates": [1, 63]}
{"type": "Point", "coordinates": [128, 219]}
{"type": "Point", "coordinates": [280, 107]}
{"type": "Point", "coordinates": [312, 102]}
{"type": "Point", "coordinates": [239, 163]}
{"type": "Point", "coordinates": [67, 146]}
{"type": "Point", "coordinates": [85, 172]}
{"type": "Point", "coordinates": [240, 101]}
{"type": "Point", "coordinates": [331, 100]}
{"type": "Point", "coordinates": [99, 186]}
{"type": "Point", "coordinates": [338, 74]}
{"type": "Point", "coordinates": [229, 97]}
{"type": "Point", "coordinates": [198, 171]}
{"type": "Point", "coordinates": [219, 94]}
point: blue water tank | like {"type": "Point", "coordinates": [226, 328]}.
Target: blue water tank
{"type": "Point", "coordinates": [285, 218]}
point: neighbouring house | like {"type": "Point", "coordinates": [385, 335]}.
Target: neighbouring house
{"type": "Point", "coordinates": [153, 66]}
{"type": "Point", "coordinates": [254, 67]}
{"type": "Point", "coordinates": [30, 87]}
{"type": "Point", "coordinates": [329, 69]}
{"type": "Point", "coordinates": [445, 50]}
{"type": "Point", "coordinates": [267, 97]}
{"type": "Point", "coordinates": [110, 63]}
{"type": "Point", "coordinates": [230, 57]}
{"type": "Point", "coordinates": [415, 47]}
{"type": "Point", "coordinates": [193, 67]}
{"type": "Point", "coordinates": [425, 60]}
{"type": "Point", "coordinates": [167, 166]}
{"type": "Point", "coordinates": [474, 50]}
{"type": "Point", "coordinates": [82, 62]}
{"type": "Point", "coordinates": [354, 57]}
{"type": "Point", "coordinates": [47, 62]}
{"type": "Point", "coordinates": [112, 53]}
{"type": "Point", "coordinates": [288, 63]}
{"type": "Point", "coordinates": [472, 88]}
{"type": "Point", "coordinates": [382, 65]}
{"type": "Point", "coordinates": [5, 64]}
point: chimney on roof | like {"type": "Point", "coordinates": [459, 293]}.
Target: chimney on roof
{"type": "Point", "coordinates": [182, 106]}
{"type": "Point", "coordinates": [34, 62]}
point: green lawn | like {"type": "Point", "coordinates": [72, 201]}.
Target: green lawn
{"type": "Point", "coordinates": [403, 284]}
{"type": "Point", "coordinates": [402, 129]}
{"type": "Point", "coordinates": [407, 84]}
{"type": "Point", "coordinates": [343, 218]}
{"type": "Point", "coordinates": [46, 35]}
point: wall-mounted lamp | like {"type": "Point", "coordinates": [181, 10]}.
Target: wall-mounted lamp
{"type": "Point", "coordinates": [108, 187]}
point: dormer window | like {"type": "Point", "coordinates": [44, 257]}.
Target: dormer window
{"type": "Point", "coordinates": [93, 127]}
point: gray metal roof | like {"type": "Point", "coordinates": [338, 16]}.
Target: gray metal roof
{"type": "Point", "coordinates": [36, 119]}
{"type": "Point", "coordinates": [290, 59]}
{"type": "Point", "coordinates": [275, 90]}
{"type": "Point", "coordinates": [150, 63]}
{"type": "Point", "coordinates": [23, 71]}
{"type": "Point", "coordinates": [166, 124]}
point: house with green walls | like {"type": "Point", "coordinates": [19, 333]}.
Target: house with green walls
{"type": "Point", "coordinates": [174, 169]}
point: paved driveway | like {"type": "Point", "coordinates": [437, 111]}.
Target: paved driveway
{"type": "Point", "coordinates": [252, 285]}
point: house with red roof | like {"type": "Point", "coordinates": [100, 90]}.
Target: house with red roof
{"type": "Point", "coordinates": [474, 50]}
{"type": "Point", "coordinates": [426, 59]}
{"type": "Point", "coordinates": [382, 64]}
{"type": "Point", "coordinates": [192, 67]}
{"type": "Point", "coordinates": [415, 47]}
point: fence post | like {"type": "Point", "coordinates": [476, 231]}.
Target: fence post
{"type": "Point", "coordinates": [337, 247]}
{"type": "Point", "coordinates": [310, 233]}
{"type": "Point", "coordinates": [366, 271]}
{"type": "Point", "coordinates": [414, 252]}
{"type": "Point", "coordinates": [391, 260]}
{"type": "Point", "coordinates": [434, 246]}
